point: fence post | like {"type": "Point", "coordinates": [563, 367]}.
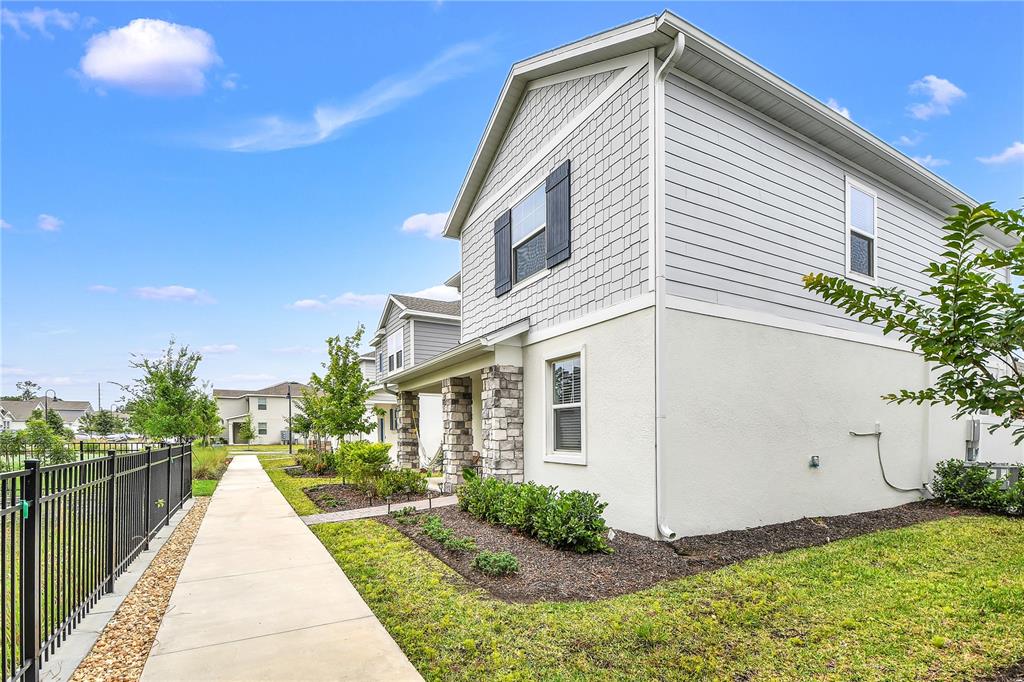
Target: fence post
{"type": "Point", "coordinates": [148, 499]}
{"type": "Point", "coordinates": [167, 497]}
{"type": "Point", "coordinates": [31, 586]}
{"type": "Point", "coordinates": [181, 496]}
{"type": "Point", "coordinates": [111, 493]}
{"type": "Point", "coordinates": [81, 450]}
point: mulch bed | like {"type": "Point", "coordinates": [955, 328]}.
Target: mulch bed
{"type": "Point", "coordinates": [1015, 673]}
{"type": "Point", "coordinates": [547, 574]}
{"type": "Point", "coordinates": [123, 648]}
{"type": "Point", "coordinates": [332, 497]}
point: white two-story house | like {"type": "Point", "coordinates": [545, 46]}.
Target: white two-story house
{"type": "Point", "coordinates": [411, 331]}
{"type": "Point", "coordinates": [267, 407]}
{"type": "Point", "coordinates": [634, 227]}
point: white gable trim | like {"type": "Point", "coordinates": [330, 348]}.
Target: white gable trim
{"type": "Point", "coordinates": [384, 314]}
{"type": "Point", "coordinates": [583, 72]}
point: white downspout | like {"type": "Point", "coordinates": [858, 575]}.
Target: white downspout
{"type": "Point", "coordinates": [659, 274]}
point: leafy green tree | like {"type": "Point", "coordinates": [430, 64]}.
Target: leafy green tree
{"type": "Point", "coordinates": [208, 418]}
{"type": "Point", "coordinates": [44, 442]}
{"type": "Point", "coordinates": [53, 420]}
{"type": "Point", "coordinates": [167, 401]}
{"type": "Point", "coordinates": [103, 423]}
{"type": "Point", "coordinates": [339, 396]}
{"type": "Point", "coordinates": [28, 390]}
{"type": "Point", "coordinates": [246, 432]}
{"type": "Point", "coordinates": [969, 322]}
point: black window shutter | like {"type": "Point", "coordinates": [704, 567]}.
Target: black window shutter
{"type": "Point", "coordinates": [558, 231]}
{"type": "Point", "coordinates": [503, 253]}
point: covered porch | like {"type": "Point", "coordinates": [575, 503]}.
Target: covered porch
{"type": "Point", "coordinates": [481, 388]}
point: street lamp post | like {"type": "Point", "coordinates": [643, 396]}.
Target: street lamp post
{"type": "Point", "coordinates": [46, 402]}
{"type": "Point", "coordinates": [290, 438]}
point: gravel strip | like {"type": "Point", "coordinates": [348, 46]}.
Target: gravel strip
{"type": "Point", "coordinates": [123, 647]}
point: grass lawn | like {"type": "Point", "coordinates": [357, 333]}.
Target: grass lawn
{"type": "Point", "coordinates": [203, 488]}
{"type": "Point", "coordinates": [292, 486]}
{"type": "Point", "coordinates": [940, 601]}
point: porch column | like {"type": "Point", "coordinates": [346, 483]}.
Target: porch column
{"type": "Point", "coordinates": [503, 422]}
{"type": "Point", "coordinates": [408, 448]}
{"type": "Point", "coordinates": [457, 439]}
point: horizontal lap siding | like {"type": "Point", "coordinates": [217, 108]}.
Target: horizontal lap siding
{"type": "Point", "coordinates": [751, 208]}
{"type": "Point", "coordinates": [433, 338]}
{"type": "Point", "coordinates": [393, 324]}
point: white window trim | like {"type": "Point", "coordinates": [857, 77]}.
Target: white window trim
{"type": "Point", "coordinates": [261, 404]}
{"type": "Point", "coordinates": [850, 273]}
{"type": "Point", "coordinates": [265, 426]}
{"type": "Point", "coordinates": [563, 456]}
{"type": "Point", "coordinates": [512, 251]}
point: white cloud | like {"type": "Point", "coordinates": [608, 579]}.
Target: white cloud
{"type": "Point", "coordinates": [834, 106]}
{"type": "Point", "coordinates": [274, 133]}
{"type": "Point", "coordinates": [429, 224]}
{"type": "Point", "coordinates": [15, 371]}
{"type": "Point", "coordinates": [151, 57]}
{"type": "Point", "coordinates": [439, 293]}
{"type": "Point", "coordinates": [4, 225]}
{"type": "Point", "coordinates": [940, 93]}
{"type": "Point", "coordinates": [38, 19]}
{"type": "Point", "coordinates": [102, 289]}
{"type": "Point", "coordinates": [173, 292]}
{"type": "Point", "coordinates": [1015, 152]}
{"type": "Point", "coordinates": [218, 348]}
{"type": "Point", "coordinates": [48, 223]}
{"type": "Point", "coordinates": [929, 161]}
{"type": "Point", "coordinates": [910, 140]}
{"type": "Point", "coordinates": [308, 304]}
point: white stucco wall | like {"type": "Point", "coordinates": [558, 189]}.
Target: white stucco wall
{"type": "Point", "coordinates": [275, 416]}
{"type": "Point", "coordinates": [619, 408]}
{"type": "Point", "coordinates": [747, 406]}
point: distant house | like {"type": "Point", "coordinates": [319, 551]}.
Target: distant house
{"type": "Point", "coordinates": [268, 408]}
{"type": "Point", "coordinates": [14, 414]}
{"type": "Point", "coordinates": [413, 331]}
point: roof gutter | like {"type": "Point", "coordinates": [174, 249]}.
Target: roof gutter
{"type": "Point", "coordinates": [678, 46]}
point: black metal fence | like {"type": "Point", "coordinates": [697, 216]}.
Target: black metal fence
{"type": "Point", "coordinates": [80, 450]}
{"type": "Point", "coordinates": [67, 532]}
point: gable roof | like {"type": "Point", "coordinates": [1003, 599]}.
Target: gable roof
{"type": "Point", "coordinates": [719, 66]}
{"type": "Point", "coordinates": [19, 409]}
{"type": "Point", "coordinates": [280, 389]}
{"type": "Point", "coordinates": [413, 305]}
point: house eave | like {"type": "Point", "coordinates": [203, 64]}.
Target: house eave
{"type": "Point", "coordinates": [722, 68]}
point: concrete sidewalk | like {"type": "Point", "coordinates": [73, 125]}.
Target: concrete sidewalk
{"type": "Point", "coordinates": [259, 598]}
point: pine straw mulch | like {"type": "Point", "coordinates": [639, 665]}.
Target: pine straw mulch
{"type": "Point", "coordinates": [547, 574]}
{"type": "Point", "coordinates": [123, 647]}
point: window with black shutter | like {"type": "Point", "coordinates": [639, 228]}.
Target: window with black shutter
{"type": "Point", "coordinates": [533, 234]}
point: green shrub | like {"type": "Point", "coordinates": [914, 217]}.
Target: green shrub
{"type": "Point", "coordinates": [496, 563]}
{"type": "Point", "coordinates": [435, 529]}
{"type": "Point", "coordinates": [956, 482]}
{"type": "Point", "coordinates": [315, 463]}
{"type": "Point", "coordinates": [565, 520]}
{"type": "Point", "coordinates": [401, 482]}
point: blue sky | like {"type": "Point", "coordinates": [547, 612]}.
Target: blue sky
{"type": "Point", "coordinates": [238, 175]}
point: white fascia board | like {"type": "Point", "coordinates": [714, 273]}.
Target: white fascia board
{"type": "Point", "coordinates": [422, 314]}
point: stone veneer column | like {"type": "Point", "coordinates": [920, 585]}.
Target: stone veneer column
{"type": "Point", "coordinates": [503, 422]}
{"type": "Point", "coordinates": [457, 439]}
{"type": "Point", "coordinates": [408, 448]}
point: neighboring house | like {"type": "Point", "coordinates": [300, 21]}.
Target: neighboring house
{"type": "Point", "coordinates": [634, 228]}
{"type": "Point", "coordinates": [412, 331]}
{"type": "Point", "coordinates": [14, 414]}
{"type": "Point", "coordinates": [268, 408]}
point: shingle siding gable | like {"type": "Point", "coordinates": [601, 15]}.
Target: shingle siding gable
{"type": "Point", "coordinates": [542, 112]}
{"type": "Point", "coordinates": [609, 154]}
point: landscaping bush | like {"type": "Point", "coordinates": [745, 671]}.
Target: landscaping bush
{"type": "Point", "coordinates": [315, 463]}
{"type": "Point", "coordinates": [435, 529]}
{"type": "Point", "coordinates": [565, 520]}
{"type": "Point", "coordinates": [208, 464]}
{"type": "Point", "coordinates": [496, 563]}
{"type": "Point", "coordinates": [401, 482]}
{"type": "Point", "coordinates": [958, 483]}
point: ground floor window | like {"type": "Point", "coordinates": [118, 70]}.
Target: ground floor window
{"type": "Point", "coordinates": [261, 428]}
{"type": "Point", "coordinates": [566, 417]}
{"type": "Point", "coordinates": [393, 418]}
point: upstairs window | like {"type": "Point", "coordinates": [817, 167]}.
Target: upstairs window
{"type": "Point", "coordinates": [396, 342]}
{"type": "Point", "coordinates": [261, 403]}
{"type": "Point", "coordinates": [529, 246]}
{"type": "Point", "coordinates": [861, 231]}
